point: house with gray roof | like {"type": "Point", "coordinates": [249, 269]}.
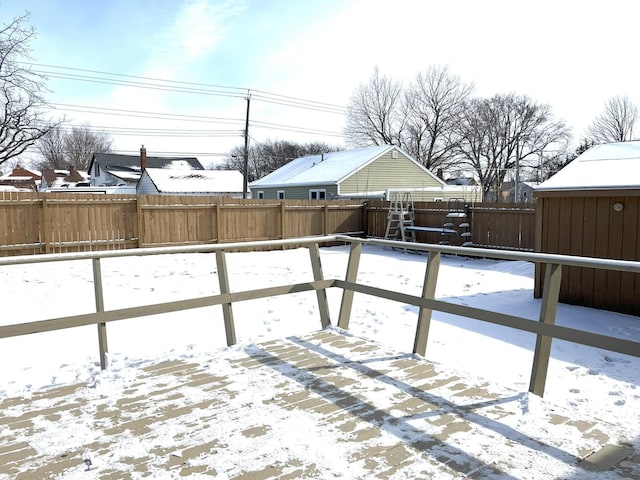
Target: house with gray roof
{"type": "Point", "coordinates": [112, 169]}
{"type": "Point", "coordinates": [369, 172]}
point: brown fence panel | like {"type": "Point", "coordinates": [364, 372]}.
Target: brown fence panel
{"type": "Point", "coordinates": [502, 225]}
{"type": "Point", "coordinates": [20, 223]}
{"type": "Point", "coordinates": [69, 222]}
{"type": "Point", "coordinates": [495, 225]}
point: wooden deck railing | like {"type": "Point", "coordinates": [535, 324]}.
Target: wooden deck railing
{"type": "Point", "coordinates": [545, 328]}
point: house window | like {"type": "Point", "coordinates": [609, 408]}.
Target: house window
{"type": "Point", "coordinates": [437, 199]}
{"type": "Point", "coordinates": [280, 194]}
{"type": "Point", "coordinates": [319, 194]}
{"type": "Point", "coordinates": [261, 195]}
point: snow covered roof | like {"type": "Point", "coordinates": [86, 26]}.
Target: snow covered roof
{"type": "Point", "coordinates": [113, 159]}
{"type": "Point", "coordinates": [603, 167]}
{"type": "Point", "coordinates": [326, 168]}
{"type": "Point", "coordinates": [196, 181]}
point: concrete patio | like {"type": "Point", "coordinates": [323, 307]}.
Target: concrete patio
{"type": "Point", "coordinates": [383, 414]}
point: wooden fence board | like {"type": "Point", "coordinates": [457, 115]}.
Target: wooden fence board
{"type": "Point", "coordinates": [54, 222]}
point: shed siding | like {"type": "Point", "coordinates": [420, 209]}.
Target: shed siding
{"type": "Point", "coordinates": [387, 172]}
{"type": "Point", "coordinates": [589, 226]}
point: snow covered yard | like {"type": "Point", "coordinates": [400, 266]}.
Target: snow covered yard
{"type": "Point", "coordinates": [583, 382]}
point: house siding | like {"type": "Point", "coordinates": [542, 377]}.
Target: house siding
{"type": "Point", "coordinates": [388, 173]}
{"type": "Point", "coordinates": [294, 193]}
{"type": "Point", "coordinates": [146, 186]}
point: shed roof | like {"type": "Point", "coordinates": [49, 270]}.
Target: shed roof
{"type": "Point", "coordinates": [327, 168]}
{"type": "Point", "coordinates": [196, 181]}
{"type": "Point", "coordinates": [611, 166]}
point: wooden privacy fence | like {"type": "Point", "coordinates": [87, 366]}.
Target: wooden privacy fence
{"type": "Point", "coordinates": [32, 223]}
{"type": "Point", "coordinates": [544, 329]}
{"type": "Point", "coordinates": [493, 225]}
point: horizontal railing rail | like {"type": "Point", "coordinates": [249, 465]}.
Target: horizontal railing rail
{"type": "Point", "coordinates": [544, 328]}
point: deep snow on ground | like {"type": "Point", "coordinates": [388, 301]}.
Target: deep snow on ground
{"type": "Point", "coordinates": [590, 381]}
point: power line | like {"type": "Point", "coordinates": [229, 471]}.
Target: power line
{"type": "Point", "coordinates": [144, 114]}
{"type": "Point", "coordinates": [187, 87]}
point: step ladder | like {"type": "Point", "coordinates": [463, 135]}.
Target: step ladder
{"type": "Point", "coordinates": [399, 217]}
{"type": "Point", "coordinates": [456, 222]}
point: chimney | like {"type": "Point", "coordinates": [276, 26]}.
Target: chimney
{"type": "Point", "coordinates": [143, 158]}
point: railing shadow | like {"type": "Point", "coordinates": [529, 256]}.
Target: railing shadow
{"type": "Point", "coordinates": [402, 428]}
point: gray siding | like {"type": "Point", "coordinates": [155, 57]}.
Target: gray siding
{"type": "Point", "coordinates": [294, 193]}
{"type": "Point", "coordinates": [146, 186]}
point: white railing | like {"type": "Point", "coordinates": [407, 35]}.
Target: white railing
{"type": "Point", "coordinates": [544, 328]}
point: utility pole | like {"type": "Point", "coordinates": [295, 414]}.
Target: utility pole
{"type": "Point", "coordinates": [245, 186]}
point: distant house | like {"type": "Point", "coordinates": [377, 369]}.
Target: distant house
{"type": "Point", "coordinates": [591, 208]}
{"type": "Point", "coordinates": [370, 172]}
{"type": "Point", "coordinates": [161, 181]}
{"type": "Point", "coordinates": [20, 179]}
{"type": "Point", "coordinates": [525, 192]}
{"type": "Point", "coordinates": [111, 169]}
{"type": "Point", "coordinates": [63, 180]}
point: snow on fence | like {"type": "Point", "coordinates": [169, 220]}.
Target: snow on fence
{"type": "Point", "coordinates": [544, 329]}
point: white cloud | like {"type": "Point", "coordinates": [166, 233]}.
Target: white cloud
{"type": "Point", "coordinates": [198, 28]}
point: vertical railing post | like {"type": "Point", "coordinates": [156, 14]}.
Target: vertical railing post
{"type": "Point", "coordinates": [227, 311]}
{"type": "Point", "coordinates": [316, 265]}
{"type": "Point", "coordinates": [102, 327]}
{"type": "Point", "coordinates": [548, 309]}
{"type": "Point", "coordinates": [428, 292]}
{"type": "Point", "coordinates": [347, 294]}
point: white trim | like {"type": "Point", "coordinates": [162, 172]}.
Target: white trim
{"type": "Point", "coordinates": [280, 195]}
{"type": "Point", "coordinates": [320, 193]}
{"type": "Point", "coordinates": [260, 194]}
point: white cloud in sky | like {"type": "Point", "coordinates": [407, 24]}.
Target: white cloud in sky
{"type": "Point", "coordinates": [197, 29]}
{"type": "Point", "coordinates": [573, 56]}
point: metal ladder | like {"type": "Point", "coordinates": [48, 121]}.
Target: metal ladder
{"type": "Point", "coordinates": [399, 217]}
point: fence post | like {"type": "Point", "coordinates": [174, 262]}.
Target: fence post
{"type": "Point", "coordinates": [316, 265]}
{"type": "Point", "coordinates": [140, 221]}
{"type": "Point", "coordinates": [99, 297]}
{"type": "Point", "coordinates": [347, 293]}
{"type": "Point", "coordinates": [46, 225]}
{"type": "Point", "coordinates": [227, 311]}
{"type": "Point", "coordinates": [428, 292]}
{"type": "Point", "coordinates": [548, 309]}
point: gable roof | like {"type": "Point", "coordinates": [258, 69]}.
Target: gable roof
{"type": "Point", "coordinates": [107, 160]}
{"type": "Point", "coordinates": [327, 168]}
{"type": "Point", "coordinates": [195, 181]}
{"type": "Point", "coordinates": [603, 167]}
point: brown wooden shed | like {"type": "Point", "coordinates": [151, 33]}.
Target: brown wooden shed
{"type": "Point", "coordinates": [591, 208]}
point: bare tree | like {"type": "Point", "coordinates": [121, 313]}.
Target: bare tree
{"type": "Point", "coordinates": [22, 120]}
{"type": "Point", "coordinates": [61, 148]}
{"type": "Point", "coordinates": [435, 102]}
{"type": "Point", "coordinates": [81, 142]}
{"type": "Point", "coordinates": [51, 147]}
{"type": "Point", "coordinates": [504, 133]}
{"type": "Point", "coordinates": [266, 157]}
{"type": "Point", "coordinates": [376, 114]}
{"type": "Point", "coordinates": [616, 123]}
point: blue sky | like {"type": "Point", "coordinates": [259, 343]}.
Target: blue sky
{"type": "Point", "coordinates": [572, 55]}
